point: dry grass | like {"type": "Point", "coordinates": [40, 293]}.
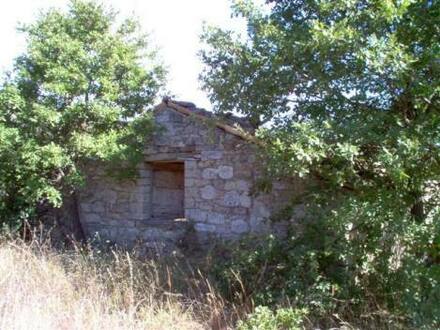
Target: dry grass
{"type": "Point", "coordinates": [83, 288]}
{"type": "Point", "coordinates": [42, 287]}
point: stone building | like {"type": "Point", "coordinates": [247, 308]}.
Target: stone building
{"type": "Point", "coordinates": [196, 180]}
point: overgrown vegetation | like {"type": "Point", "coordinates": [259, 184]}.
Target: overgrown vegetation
{"type": "Point", "coordinates": [80, 92]}
{"type": "Point", "coordinates": [89, 287]}
{"type": "Point", "coordinates": [345, 94]}
{"type": "Point", "coordinates": [313, 273]}
{"type": "Point", "coordinates": [270, 288]}
{"type": "Point", "coordinates": [349, 92]}
{"type": "Point", "coordinates": [265, 319]}
{"type": "Point", "coordinates": [93, 285]}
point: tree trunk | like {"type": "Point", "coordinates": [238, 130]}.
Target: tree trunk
{"type": "Point", "coordinates": [77, 228]}
{"type": "Point", "coordinates": [418, 208]}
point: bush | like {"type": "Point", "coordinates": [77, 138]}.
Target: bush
{"type": "Point", "coordinates": [295, 272]}
{"type": "Point", "coordinates": [382, 275]}
{"type": "Point", "coordinates": [265, 319]}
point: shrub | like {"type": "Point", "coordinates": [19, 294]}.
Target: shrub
{"type": "Point", "coordinates": [378, 277]}
{"type": "Point", "coordinates": [265, 319]}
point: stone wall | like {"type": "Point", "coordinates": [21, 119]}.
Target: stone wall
{"type": "Point", "coordinates": [214, 188]}
{"type": "Point", "coordinates": [219, 199]}
{"type": "Point", "coordinates": [112, 208]}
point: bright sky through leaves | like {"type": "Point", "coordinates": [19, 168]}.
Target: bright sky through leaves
{"type": "Point", "coordinates": [175, 26]}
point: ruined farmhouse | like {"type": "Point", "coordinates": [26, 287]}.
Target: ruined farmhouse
{"type": "Point", "coordinates": [196, 180]}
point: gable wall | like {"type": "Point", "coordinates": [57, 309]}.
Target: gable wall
{"type": "Point", "coordinates": [220, 171]}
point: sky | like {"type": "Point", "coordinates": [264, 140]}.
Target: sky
{"type": "Point", "coordinates": [174, 26]}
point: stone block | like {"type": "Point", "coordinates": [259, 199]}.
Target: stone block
{"type": "Point", "coordinates": [190, 182]}
{"type": "Point", "coordinates": [243, 185]}
{"type": "Point", "coordinates": [215, 218]}
{"type": "Point", "coordinates": [211, 155]}
{"type": "Point", "coordinates": [149, 234]}
{"type": "Point", "coordinates": [191, 173]}
{"type": "Point", "coordinates": [117, 215]}
{"type": "Point", "coordinates": [127, 234]}
{"type": "Point", "coordinates": [230, 185]}
{"type": "Point", "coordinates": [121, 223]}
{"type": "Point", "coordinates": [206, 206]}
{"type": "Point", "coordinates": [225, 172]}
{"type": "Point", "coordinates": [240, 185]}
{"type": "Point", "coordinates": [144, 174]}
{"type": "Point", "coordinates": [203, 227]}
{"type": "Point", "coordinates": [209, 173]}
{"type": "Point", "coordinates": [91, 230]}
{"type": "Point", "coordinates": [238, 210]}
{"type": "Point", "coordinates": [86, 207]}
{"type": "Point", "coordinates": [223, 230]}
{"type": "Point", "coordinates": [231, 198]}
{"type": "Point", "coordinates": [208, 192]}
{"type": "Point", "coordinates": [191, 192]}
{"type": "Point", "coordinates": [196, 215]}
{"type": "Point", "coordinates": [120, 207]}
{"type": "Point", "coordinates": [199, 182]}
{"type": "Point", "coordinates": [206, 163]}
{"type": "Point", "coordinates": [261, 210]}
{"type": "Point", "coordinates": [108, 195]}
{"type": "Point", "coordinates": [92, 218]}
{"type": "Point", "coordinates": [245, 200]}
{"type": "Point", "coordinates": [190, 164]}
{"type": "Point", "coordinates": [189, 213]}
{"type": "Point", "coordinates": [136, 209]}
{"type": "Point", "coordinates": [239, 226]}
{"type": "Point", "coordinates": [157, 234]}
{"type": "Point", "coordinates": [190, 202]}
{"type": "Point", "coordinates": [259, 225]}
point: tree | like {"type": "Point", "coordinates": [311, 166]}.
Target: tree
{"type": "Point", "coordinates": [350, 91]}
{"type": "Point", "coordinates": [79, 93]}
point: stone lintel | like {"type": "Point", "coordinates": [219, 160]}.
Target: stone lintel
{"type": "Point", "coordinates": [171, 157]}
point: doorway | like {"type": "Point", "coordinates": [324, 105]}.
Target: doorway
{"type": "Point", "coordinates": [168, 191]}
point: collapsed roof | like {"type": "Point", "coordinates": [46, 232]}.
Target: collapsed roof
{"type": "Point", "coordinates": [228, 122]}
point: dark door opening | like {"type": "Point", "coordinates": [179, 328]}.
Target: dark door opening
{"type": "Point", "coordinates": [168, 191]}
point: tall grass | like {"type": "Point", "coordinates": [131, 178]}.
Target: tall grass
{"type": "Point", "coordinates": [84, 288]}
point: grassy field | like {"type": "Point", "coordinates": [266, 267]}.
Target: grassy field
{"type": "Point", "coordinates": [102, 287]}
{"type": "Point", "coordinates": [85, 288]}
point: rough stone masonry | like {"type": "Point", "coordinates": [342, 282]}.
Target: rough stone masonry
{"type": "Point", "coordinates": [196, 177]}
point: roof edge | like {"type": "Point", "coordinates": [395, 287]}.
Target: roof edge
{"type": "Point", "coordinates": [227, 128]}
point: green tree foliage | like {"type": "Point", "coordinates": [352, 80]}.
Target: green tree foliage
{"type": "Point", "coordinates": [350, 91]}
{"type": "Point", "coordinates": [78, 93]}
{"type": "Point", "coordinates": [264, 319]}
